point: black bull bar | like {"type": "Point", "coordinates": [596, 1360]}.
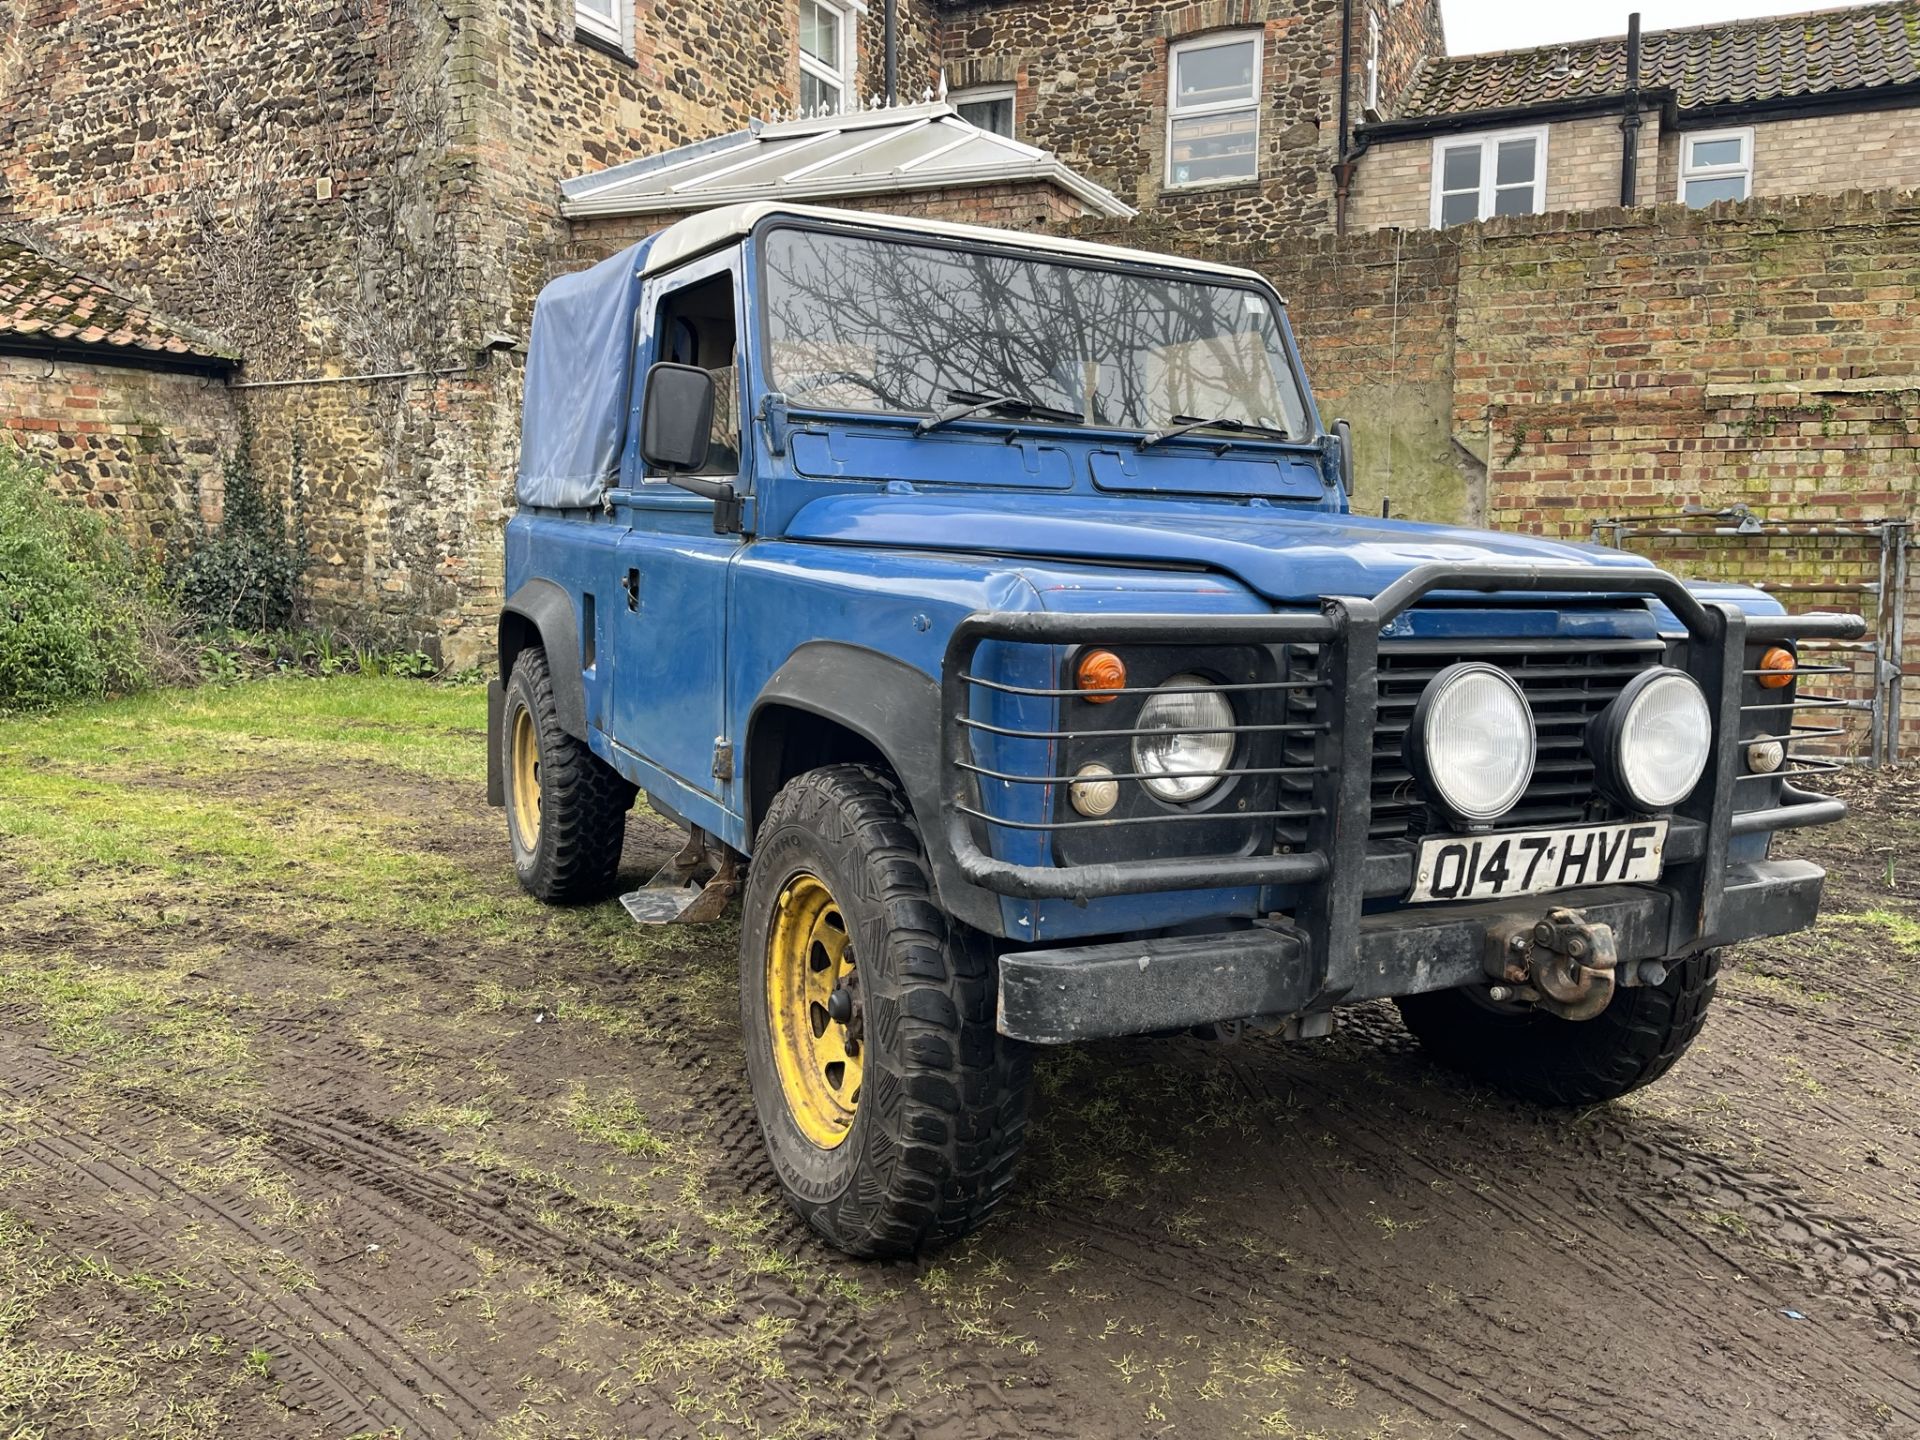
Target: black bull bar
{"type": "Point", "coordinates": [1333, 951]}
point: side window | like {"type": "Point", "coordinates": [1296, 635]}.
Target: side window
{"type": "Point", "coordinates": [695, 327]}
{"type": "Point", "coordinates": [1717, 165]}
{"type": "Point", "coordinates": [827, 56]}
{"type": "Point", "coordinates": [989, 107]}
{"type": "Point", "coordinates": [1372, 101]}
{"type": "Point", "coordinates": [608, 20]}
{"type": "Point", "coordinates": [1213, 110]}
{"type": "Point", "coordinates": [1477, 177]}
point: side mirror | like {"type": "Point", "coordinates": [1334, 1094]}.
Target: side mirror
{"type": "Point", "coordinates": [676, 417]}
{"type": "Point", "coordinates": [1343, 449]}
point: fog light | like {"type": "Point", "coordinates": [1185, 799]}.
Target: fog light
{"type": "Point", "coordinates": [1651, 744]}
{"type": "Point", "coordinates": [1095, 792]}
{"type": "Point", "coordinates": [1766, 756]}
{"type": "Point", "coordinates": [1471, 742]}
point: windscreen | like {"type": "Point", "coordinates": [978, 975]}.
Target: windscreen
{"type": "Point", "coordinates": [859, 323]}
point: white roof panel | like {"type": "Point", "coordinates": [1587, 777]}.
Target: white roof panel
{"type": "Point", "coordinates": [711, 229]}
{"type": "Point", "coordinates": [866, 152]}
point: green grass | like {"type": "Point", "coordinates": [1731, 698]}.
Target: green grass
{"type": "Point", "coordinates": [427, 729]}
{"type": "Point", "coordinates": [286, 795]}
{"type": "Point", "coordinates": [86, 1347]}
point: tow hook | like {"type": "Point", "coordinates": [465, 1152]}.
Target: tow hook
{"type": "Point", "coordinates": [1564, 963]}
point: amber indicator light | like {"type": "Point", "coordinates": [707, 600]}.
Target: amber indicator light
{"type": "Point", "coordinates": [1776, 668]}
{"type": "Point", "coordinates": [1099, 670]}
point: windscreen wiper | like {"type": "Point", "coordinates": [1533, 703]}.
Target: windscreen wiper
{"type": "Point", "coordinates": [983, 402]}
{"type": "Point", "coordinates": [1187, 424]}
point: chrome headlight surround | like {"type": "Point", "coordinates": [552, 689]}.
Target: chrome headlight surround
{"type": "Point", "coordinates": [1651, 745]}
{"type": "Point", "coordinates": [1471, 742]}
{"type": "Point", "coordinates": [1178, 766]}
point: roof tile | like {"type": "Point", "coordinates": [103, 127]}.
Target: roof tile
{"type": "Point", "coordinates": [1771, 58]}
{"type": "Point", "coordinates": [46, 298]}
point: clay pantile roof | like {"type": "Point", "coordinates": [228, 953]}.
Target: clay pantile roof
{"type": "Point", "coordinates": [1738, 62]}
{"type": "Point", "coordinates": [48, 305]}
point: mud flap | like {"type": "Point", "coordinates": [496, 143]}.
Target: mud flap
{"type": "Point", "coordinates": [496, 719]}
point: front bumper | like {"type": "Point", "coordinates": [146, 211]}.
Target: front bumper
{"type": "Point", "coordinates": [1326, 948]}
{"type": "Point", "coordinates": [1090, 992]}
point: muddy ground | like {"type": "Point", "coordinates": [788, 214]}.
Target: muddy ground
{"type": "Point", "coordinates": [310, 1125]}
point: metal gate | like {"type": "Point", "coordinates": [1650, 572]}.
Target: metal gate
{"type": "Point", "coordinates": [1875, 661]}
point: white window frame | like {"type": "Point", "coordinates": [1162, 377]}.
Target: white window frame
{"type": "Point", "coordinates": [1690, 171]}
{"type": "Point", "coordinates": [1255, 103]}
{"type": "Point", "coordinates": [1373, 62]}
{"type": "Point", "coordinates": [979, 94]}
{"type": "Point", "coordinates": [617, 31]}
{"type": "Point", "coordinates": [846, 78]}
{"type": "Point", "coordinates": [1489, 143]}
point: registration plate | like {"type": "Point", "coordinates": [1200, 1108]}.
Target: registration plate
{"type": "Point", "coordinates": [1528, 862]}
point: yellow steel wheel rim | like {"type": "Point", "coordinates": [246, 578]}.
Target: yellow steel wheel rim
{"type": "Point", "coordinates": [809, 956]}
{"type": "Point", "coordinates": [525, 800]}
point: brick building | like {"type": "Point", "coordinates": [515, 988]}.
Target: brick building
{"type": "Point", "coordinates": [362, 198]}
{"type": "Point", "coordinates": [127, 407]}
{"type": "Point", "coordinates": [1785, 105]}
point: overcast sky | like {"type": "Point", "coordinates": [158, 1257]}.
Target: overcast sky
{"type": "Point", "coordinates": [1474, 25]}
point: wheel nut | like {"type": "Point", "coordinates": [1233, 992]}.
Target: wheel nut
{"type": "Point", "coordinates": [840, 1006]}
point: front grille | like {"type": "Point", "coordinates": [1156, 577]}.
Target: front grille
{"type": "Point", "coordinates": [1566, 683]}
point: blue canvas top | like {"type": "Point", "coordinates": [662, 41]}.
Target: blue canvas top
{"type": "Point", "coordinates": [579, 378]}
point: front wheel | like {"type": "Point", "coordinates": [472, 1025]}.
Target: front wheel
{"type": "Point", "coordinates": [1550, 1061]}
{"type": "Point", "coordinates": [892, 1109]}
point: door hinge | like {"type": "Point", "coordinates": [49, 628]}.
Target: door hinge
{"type": "Point", "coordinates": [723, 759]}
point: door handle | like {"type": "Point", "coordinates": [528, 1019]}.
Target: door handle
{"type": "Point", "coordinates": [630, 586]}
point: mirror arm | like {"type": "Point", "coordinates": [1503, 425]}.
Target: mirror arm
{"type": "Point", "coordinates": [719, 491]}
{"type": "Point", "coordinates": [729, 514]}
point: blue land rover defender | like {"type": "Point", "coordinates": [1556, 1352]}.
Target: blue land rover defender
{"type": "Point", "coordinates": [987, 608]}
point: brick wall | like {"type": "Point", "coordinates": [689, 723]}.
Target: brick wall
{"type": "Point", "coordinates": [145, 444]}
{"type": "Point", "coordinates": [1091, 84]}
{"type": "Point", "coordinates": [1394, 186]}
{"type": "Point", "coordinates": [1820, 154]}
{"type": "Point", "coordinates": [351, 187]}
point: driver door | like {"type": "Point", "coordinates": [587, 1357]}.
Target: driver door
{"type": "Point", "coordinates": [669, 627]}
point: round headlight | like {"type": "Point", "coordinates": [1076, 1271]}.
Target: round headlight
{"type": "Point", "coordinates": [1651, 744]}
{"type": "Point", "coordinates": [1187, 740]}
{"type": "Point", "coordinates": [1471, 741]}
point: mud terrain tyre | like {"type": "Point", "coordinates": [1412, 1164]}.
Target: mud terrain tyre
{"type": "Point", "coordinates": [566, 807]}
{"type": "Point", "coordinates": [1550, 1061]}
{"type": "Point", "coordinates": [892, 1109]}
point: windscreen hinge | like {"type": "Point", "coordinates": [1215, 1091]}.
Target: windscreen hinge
{"type": "Point", "coordinates": [773, 415]}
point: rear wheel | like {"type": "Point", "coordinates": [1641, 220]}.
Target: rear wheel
{"type": "Point", "coordinates": [1540, 1057]}
{"type": "Point", "coordinates": [892, 1109]}
{"type": "Point", "coordinates": [566, 807]}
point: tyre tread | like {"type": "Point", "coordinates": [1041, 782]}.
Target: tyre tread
{"type": "Point", "coordinates": [1638, 1038]}
{"type": "Point", "coordinates": [954, 1113]}
{"type": "Point", "coordinates": [583, 801]}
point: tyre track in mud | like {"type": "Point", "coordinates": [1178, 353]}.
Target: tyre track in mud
{"type": "Point", "coordinates": [430, 1211]}
{"type": "Point", "coordinates": [1815, 1243]}
{"type": "Point", "coordinates": [349, 1363]}
{"type": "Point", "coordinates": [1592, 1229]}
